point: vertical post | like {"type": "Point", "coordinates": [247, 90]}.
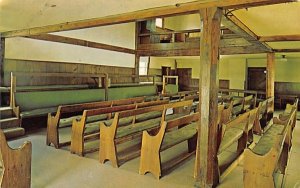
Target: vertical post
{"type": "Point", "coordinates": [270, 76]}
{"type": "Point", "coordinates": [2, 52]}
{"type": "Point", "coordinates": [137, 69]}
{"type": "Point", "coordinates": [105, 84]}
{"type": "Point", "coordinates": [137, 56]}
{"type": "Point", "coordinates": [206, 170]}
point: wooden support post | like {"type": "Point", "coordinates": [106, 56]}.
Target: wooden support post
{"type": "Point", "coordinates": [270, 75]}
{"type": "Point", "coordinates": [137, 69]}
{"type": "Point", "coordinates": [206, 172]}
{"type": "Point", "coordinates": [137, 56]}
{"type": "Point", "coordinates": [2, 51]}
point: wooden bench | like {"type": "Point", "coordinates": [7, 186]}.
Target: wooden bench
{"type": "Point", "coordinates": [265, 113]}
{"type": "Point", "coordinates": [35, 101]}
{"type": "Point", "coordinates": [237, 130]}
{"type": "Point", "coordinates": [65, 115]}
{"type": "Point", "coordinates": [16, 164]}
{"type": "Point", "coordinates": [170, 134]}
{"type": "Point", "coordinates": [83, 130]}
{"type": "Point", "coordinates": [269, 156]}
{"type": "Point", "coordinates": [288, 110]}
{"type": "Point", "coordinates": [115, 134]}
{"type": "Point", "coordinates": [241, 104]}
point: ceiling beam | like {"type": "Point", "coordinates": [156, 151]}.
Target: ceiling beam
{"type": "Point", "coordinates": [286, 50]}
{"type": "Point", "coordinates": [196, 51]}
{"type": "Point", "coordinates": [177, 9]}
{"type": "Point", "coordinates": [235, 25]}
{"type": "Point", "coordinates": [79, 42]}
{"type": "Point", "coordinates": [279, 38]}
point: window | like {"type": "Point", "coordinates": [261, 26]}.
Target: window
{"type": "Point", "coordinates": [144, 61]}
{"type": "Point", "coordinates": [159, 22]}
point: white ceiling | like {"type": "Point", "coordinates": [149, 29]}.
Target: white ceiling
{"type": "Point", "coordinates": [281, 19]}
{"type": "Point", "coordinates": [20, 14]}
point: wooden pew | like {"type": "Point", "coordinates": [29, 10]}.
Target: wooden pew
{"type": "Point", "coordinates": [237, 130]}
{"type": "Point", "coordinates": [170, 134]}
{"type": "Point", "coordinates": [115, 134]}
{"type": "Point", "coordinates": [16, 164]}
{"type": "Point", "coordinates": [265, 113]}
{"type": "Point", "coordinates": [65, 115]}
{"type": "Point", "coordinates": [249, 103]}
{"type": "Point", "coordinates": [269, 156]}
{"type": "Point", "coordinates": [242, 104]}
{"type": "Point", "coordinates": [83, 130]}
{"type": "Point", "coordinates": [288, 110]}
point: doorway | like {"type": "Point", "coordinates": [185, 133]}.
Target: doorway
{"type": "Point", "coordinates": [256, 78]}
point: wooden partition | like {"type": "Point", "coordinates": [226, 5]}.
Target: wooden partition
{"type": "Point", "coordinates": [29, 66]}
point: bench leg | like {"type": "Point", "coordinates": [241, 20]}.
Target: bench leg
{"type": "Point", "coordinates": [192, 144]}
{"type": "Point", "coordinates": [77, 138]}
{"type": "Point", "coordinates": [52, 131]}
{"type": "Point", "coordinates": [242, 143]}
{"type": "Point", "coordinates": [283, 159]}
{"type": "Point", "coordinates": [150, 152]}
{"type": "Point", "coordinates": [107, 146]}
{"type": "Point", "coordinates": [250, 136]}
{"type": "Point", "coordinates": [257, 127]}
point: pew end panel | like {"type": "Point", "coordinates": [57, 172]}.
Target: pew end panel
{"type": "Point", "coordinates": [150, 155]}
{"type": "Point", "coordinates": [107, 146]}
{"type": "Point", "coordinates": [16, 164]}
{"type": "Point", "coordinates": [52, 126]}
{"type": "Point", "coordinates": [77, 135]}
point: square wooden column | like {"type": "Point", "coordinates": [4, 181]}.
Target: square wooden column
{"type": "Point", "coordinates": [270, 74]}
{"type": "Point", "coordinates": [137, 69]}
{"type": "Point", "coordinates": [137, 56]}
{"type": "Point", "coordinates": [206, 173]}
{"type": "Point", "coordinates": [2, 52]}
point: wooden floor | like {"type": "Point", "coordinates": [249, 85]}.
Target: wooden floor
{"type": "Point", "coordinates": [59, 168]}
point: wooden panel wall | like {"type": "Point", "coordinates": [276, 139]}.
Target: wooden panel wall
{"type": "Point", "coordinates": [13, 65]}
{"type": "Point", "coordinates": [186, 82]}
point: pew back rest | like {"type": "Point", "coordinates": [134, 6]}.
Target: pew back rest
{"type": "Point", "coordinates": [45, 99]}
{"type": "Point", "coordinates": [249, 102]}
{"type": "Point", "coordinates": [119, 108]}
{"type": "Point", "coordinates": [226, 114]}
{"type": "Point", "coordinates": [253, 116]}
{"type": "Point", "coordinates": [262, 107]}
{"type": "Point", "coordinates": [83, 106]}
{"type": "Point", "coordinates": [154, 108]}
{"type": "Point", "coordinates": [182, 121]}
{"type": "Point", "coordinates": [130, 92]}
{"type": "Point", "coordinates": [289, 107]}
{"type": "Point", "coordinates": [101, 104]}
{"type": "Point", "coordinates": [127, 101]}
{"type": "Point", "coordinates": [243, 118]}
{"type": "Point", "coordinates": [238, 101]}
